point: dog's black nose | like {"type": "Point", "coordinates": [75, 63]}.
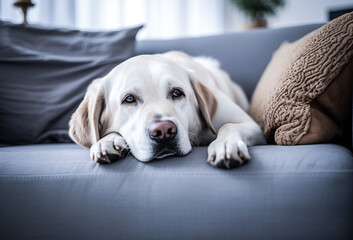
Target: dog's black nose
{"type": "Point", "coordinates": [162, 131]}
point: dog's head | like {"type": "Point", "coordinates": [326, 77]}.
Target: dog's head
{"type": "Point", "coordinates": [158, 105]}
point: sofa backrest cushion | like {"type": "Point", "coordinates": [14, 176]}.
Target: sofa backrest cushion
{"type": "Point", "coordinates": [44, 73]}
{"type": "Point", "coordinates": [243, 55]}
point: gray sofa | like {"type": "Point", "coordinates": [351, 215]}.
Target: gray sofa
{"type": "Point", "coordinates": [53, 191]}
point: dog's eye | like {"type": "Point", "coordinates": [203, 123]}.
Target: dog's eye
{"type": "Point", "coordinates": [177, 93]}
{"type": "Point", "coordinates": [129, 99]}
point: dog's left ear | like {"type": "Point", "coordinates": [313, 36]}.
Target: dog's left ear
{"type": "Point", "coordinates": [84, 123]}
{"type": "Point", "coordinates": [206, 100]}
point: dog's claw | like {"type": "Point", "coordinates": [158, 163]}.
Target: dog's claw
{"type": "Point", "coordinates": [226, 162]}
{"type": "Point", "coordinates": [241, 154]}
{"type": "Point", "coordinates": [107, 158]}
{"type": "Point", "coordinates": [212, 159]}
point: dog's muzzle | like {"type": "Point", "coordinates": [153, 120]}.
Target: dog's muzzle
{"type": "Point", "coordinates": [163, 136]}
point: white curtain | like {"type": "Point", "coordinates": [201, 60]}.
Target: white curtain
{"type": "Point", "coordinates": [162, 18]}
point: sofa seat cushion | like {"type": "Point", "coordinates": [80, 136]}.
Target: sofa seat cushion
{"type": "Point", "coordinates": [53, 159]}
{"type": "Point", "coordinates": [56, 192]}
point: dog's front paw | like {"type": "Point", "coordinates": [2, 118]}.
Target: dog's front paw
{"type": "Point", "coordinates": [109, 149]}
{"type": "Point", "coordinates": [228, 154]}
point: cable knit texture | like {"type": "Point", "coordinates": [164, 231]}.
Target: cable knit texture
{"type": "Point", "coordinates": [297, 75]}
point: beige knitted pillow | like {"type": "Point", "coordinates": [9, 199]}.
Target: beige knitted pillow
{"type": "Point", "coordinates": [305, 93]}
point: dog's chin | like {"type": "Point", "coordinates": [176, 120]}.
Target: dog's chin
{"type": "Point", "coordinates": [159, 151]}
{"type": "Point", "coordinates": [163, 153]}
{"type": "Point", "coordinates": [166, 153]}
{"type": "Point", "coordinates": [167, 150]}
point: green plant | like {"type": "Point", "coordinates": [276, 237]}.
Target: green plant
{"type": "Point", "coordinates": [258, 10]}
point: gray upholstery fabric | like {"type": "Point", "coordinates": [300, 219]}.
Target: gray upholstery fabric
{"type": "Point", "coordinates": [56, 192]}
{"type": "Point", "coordinates": [244, 55]}
{"type": "Point", "coordinates": [44, 73]}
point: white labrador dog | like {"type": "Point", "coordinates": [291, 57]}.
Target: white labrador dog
{"type": "Point", "coordinates": [160, 105]}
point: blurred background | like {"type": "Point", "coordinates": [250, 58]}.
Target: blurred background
{"type": "Point", "coordinates": [176, 18]}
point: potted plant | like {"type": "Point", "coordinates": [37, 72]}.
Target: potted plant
{"type": "Point", "coordinates": [258, 10]}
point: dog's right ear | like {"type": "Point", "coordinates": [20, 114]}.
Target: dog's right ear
{"type": "Point", "coordinates": [206, 100]}
{"type": "Point", "coordinates": [84, 123]}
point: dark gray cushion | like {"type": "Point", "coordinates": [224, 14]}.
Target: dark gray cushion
{"type": "Point", "coordinates": [44, 73]}
{"type": "Point", "coordinates": [285, 192]}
